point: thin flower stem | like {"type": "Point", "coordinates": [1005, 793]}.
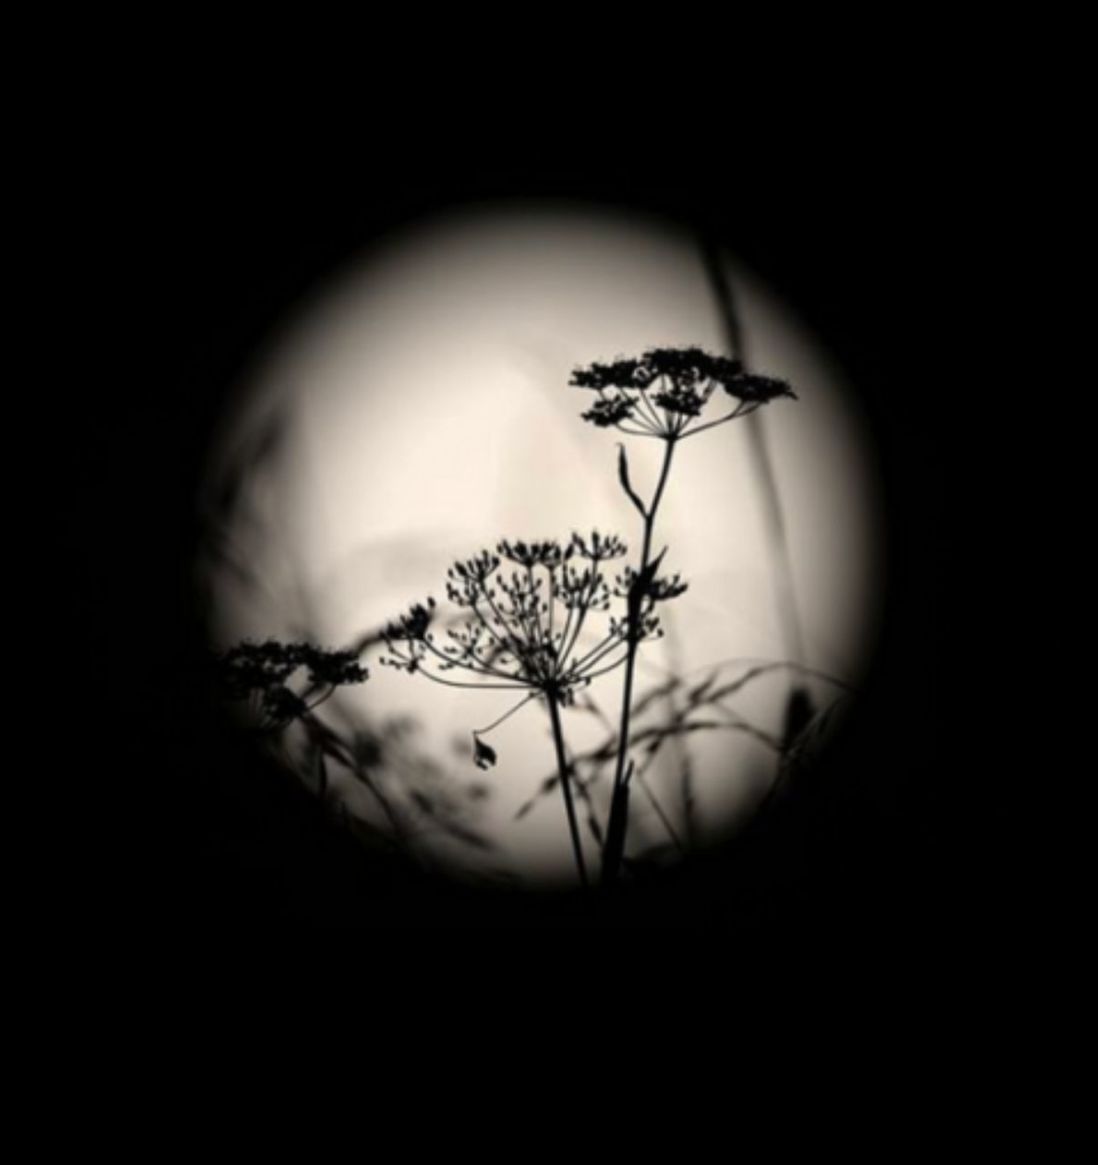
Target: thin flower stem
{"type": "Point", "coordinates": [650, 408]}
{"type": "Point", "coordinates": [482, 668]}
{"type": "Point", "coordinates": [487, 626]}
{"type": "Point", "coordinates": [585, 671]}
{"type": "Point", "coordinates": [510, 712]}
{"type": "Point", "coordinates": [608, 873]}
{"type": "Point", "coordinates": [562, 766]}
{"type": "Point", "coordinates": [469, 661]}
{"type": "Point", "coordinates": [516, 647]}
{"type": "Point", "coordinates": [565, 631]}
{"type": "Point", "coordinates": [316, 703]}
{"type": "Point", "coordinates": [594, 675]}
{"type": "Point", "coordinates": [596, 652]}
{"type": "Point", "coordinates": [585, 602]}
{"type": "Point", "coordinates": [550, 599]}
{"type": "Point", "coordinates": [741, 410]}
{"type": "Point", "coordinates": [471, 687]}
{"type": "Point", "coordinates": [538, 633]}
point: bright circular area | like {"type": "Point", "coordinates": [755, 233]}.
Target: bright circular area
{"type": "Point", "coordinates": [418, 411]}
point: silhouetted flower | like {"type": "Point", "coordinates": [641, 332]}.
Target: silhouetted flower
{"type": "Point", "coordinates": [664, 392]}
{"type": "Point", "coordinates": [524, 625]}
{"type": "Point", "coordinates": [413, 626]}
{"type": "Point", "coordinates": [611, 411]}
{"type": "Point", "coordinates": [599, 547]}
{"type": "Point", "coordinates": [531, 554]}
{"type": "Point", "coordinates": [617, 375]}
{"type": "Point", "coordinates": [659, 590]}
{"type": "Point", "coordinates": [263, 671]}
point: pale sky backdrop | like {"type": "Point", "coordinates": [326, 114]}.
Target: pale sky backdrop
{"type": "Point", "coordinates": [424, 412]}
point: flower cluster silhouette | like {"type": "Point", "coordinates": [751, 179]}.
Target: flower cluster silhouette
{"type": "Point", "coordinates": [528, 604]}
{"type": "Point", "coordinates": [663, 393]}
{"type": "Point", "coordinates": [542, 618]}
{"type": "Point", "coordinates": [263, 671]}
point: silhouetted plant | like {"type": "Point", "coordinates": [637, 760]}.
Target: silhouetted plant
{"type": "Point", "coordinates": [663, 394]}
{"type": "Point", "coordinates": [286, 683]}
{"type": "Point", "coordinates": [527, 610]}
{"type": "Point", "coordinates": [261, 673]}
{"type": "Point", "coordinates": [705, 708]}
{"type": "Point", "coordinates": [523, 629]}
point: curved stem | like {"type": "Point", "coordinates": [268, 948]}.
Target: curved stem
{"type": "Point", "coordinates": [481, 668]}
{"type": "Point", "coordinates": [496, 723]}
{"type": "Point", "coordinates": [327, 695]}
{"type": "Point", "coordinates": [422, 671]}
{"type": "Point", "coordinates": [736, 412]}
{"type": "Point", "coordinates": [562, 766]}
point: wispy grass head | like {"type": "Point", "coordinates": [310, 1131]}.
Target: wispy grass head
{"type": "Point", "coordinates": [664, 392]}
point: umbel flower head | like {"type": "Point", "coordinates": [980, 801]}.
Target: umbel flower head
{"type": "Point", "coordinates": [663, 393]}
{"type": "Point", "coordinates": [263, 671]}
{"type": "Point", "coordinates": [527, 605]}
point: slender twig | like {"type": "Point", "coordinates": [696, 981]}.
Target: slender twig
{"type": "Point", "coordinates": [510, 712]}
{"type": "Point", "coordinates": [562, 765]}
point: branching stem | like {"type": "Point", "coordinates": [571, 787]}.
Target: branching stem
{"type": "Point", "coordinates": [609, 874]}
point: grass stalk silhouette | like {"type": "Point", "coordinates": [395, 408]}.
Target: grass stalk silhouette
{"type": "Point", "coordinates": [799, 706]}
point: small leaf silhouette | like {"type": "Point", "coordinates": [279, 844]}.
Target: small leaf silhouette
{"type": "Point", "coordinates": [614, 848]}
{"type": "Point", "coordinates": [639, 588]}
{"type": "Point", "coordinates": [623, 477]}
{"type": "Point", "coordinates": [484, 756]}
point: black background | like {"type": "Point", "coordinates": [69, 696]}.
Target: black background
{"type": "Point", "coordinates": [210, 233]}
